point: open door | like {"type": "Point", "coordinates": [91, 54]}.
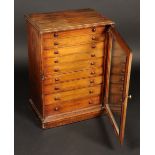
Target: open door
{"type": "Point", "coordinates": [118, 68]}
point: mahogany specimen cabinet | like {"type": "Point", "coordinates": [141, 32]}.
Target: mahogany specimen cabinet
{"type": "Point", "coordinates": [79, 68]}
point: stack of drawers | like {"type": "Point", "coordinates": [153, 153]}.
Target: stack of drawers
{"type": "Point", "coordinates": [73, 64]}
{"type": "Point", "coordinates": [79, 68]}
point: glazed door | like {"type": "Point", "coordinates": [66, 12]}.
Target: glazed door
{"type": "Point", "coordinates": [119, 59]}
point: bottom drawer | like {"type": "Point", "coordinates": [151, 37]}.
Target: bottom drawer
{"type": "Point", "coordinates": [70, 106]}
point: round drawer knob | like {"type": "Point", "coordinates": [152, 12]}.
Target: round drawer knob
{"type": "Point", "coordinates": [123, 70]}
{"type": "Point", "coordinates": [56, 43]}
{"type": "Point", "coordinates": [93, 29]}
{"type": "Point", "coordinates": [57, 88]}
{"type": "Point", "coordinates": [57, 98]}
{"type": "Point", "coordinates": [93, 37]}
{"type": "Point", "coordinates": [55, 34]}
{"type": "Point", "coordinates": [92, 63]}
{"type": "Point", "coordinates": [56, 52]}
{"type": "Point", "coordinates": [93, 55]}
{"type": "Point", "coordinates": [57, 79]}
{"type": "Point", "coordinates": [90, 91]}
{"type": "Point", "coordinates": [121, 89]}
{"type": "Point", "coordinates": [56, 61]}
{"type": "Point", "coordinates": [90, 102]}
{"type": "Point", "coordinates": [122, 79]}
{"type": "Point", "coordinates": [56, 69]}
{"type": "Point", "coordinates": [92, 72]}
{"type": "Point", "coordinates": [92, 81]}
{"type": "Point", "coordinates": [56, 108]}
{"type": "Point", "coordinates": [93, 46]}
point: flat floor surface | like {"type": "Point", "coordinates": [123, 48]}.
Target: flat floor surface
{"type": "Point", "coordinates": [90, 137]}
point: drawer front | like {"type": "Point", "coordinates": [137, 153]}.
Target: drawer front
{"type": "Point", "coordinates": [59, 108]}
{"type": "Point", "coordinates": [116, 88]}
{"type": "Point", "coordinates": [117, 79]}
{"type": "Point", "coordinates": [52, 79]}
{"type": "Point", "coordinates": [73, 50]}
{"type": "Point", "coordinates": [74, 33]}
{"type": "Point", "coordinates": [72, 95]}
{"type": "Point", "coordinates": [72, 66]}
{"type": "Point", "coordinates": [65, 86]}
{"type": "Point", "coordinates": [115, 99]}
{"type": "Point", "coordinates": [72, 41]}
{"type": "Point", "coordinates": [73, 58]}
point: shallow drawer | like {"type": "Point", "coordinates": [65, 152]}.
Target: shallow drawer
{"type": "Point", "coordinates": [73, 58]}
{"type": "Point", "coordinates": [72, 95]}
{"type": "Point", "coordinates": [73, 50]}
{"type": "Point", "coordinates": [72, 66]}
{"type": "Point", "coordinates": [65, 86]}
{"type": "Point", "coordinates": [52, 79]}
{"type": "Point", "coordinates": [114, 79]}
{"type": "Point", "coordinates": [71, 105]}
{"type": "Point", "coordinates": [72, 41]}
{"type": "Point", "coordinates": [74, 33]}
{"type": "Point", "coordinates": [118, 69]}
{"type": "Point", "coordinates": [118, 60]}
{"type": "Point", "coordinates": [115, 99]}
{"type": "Point", "coordinates": [116, 88]}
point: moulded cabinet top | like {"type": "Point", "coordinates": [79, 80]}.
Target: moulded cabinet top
{"type": "Point", "coordinates": [67, 20]}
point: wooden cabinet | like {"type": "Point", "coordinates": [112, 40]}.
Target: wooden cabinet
{"type": "Point", "coordinates": [79, 68]}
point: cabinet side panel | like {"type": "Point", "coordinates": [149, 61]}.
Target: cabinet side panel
{"type": "Point", "coordinates": [34, 54]}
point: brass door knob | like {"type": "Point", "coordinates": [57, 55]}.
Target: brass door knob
{"type": "Point", "coordinates": [130, 96]}
{"type": "Point", "coordinates": [56, 34]}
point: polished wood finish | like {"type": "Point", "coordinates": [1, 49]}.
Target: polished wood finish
{"type": "Point", "coordinates": [79, 68]}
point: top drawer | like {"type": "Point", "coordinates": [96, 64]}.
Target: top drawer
{"type": "Point", "coordinates": [74, 33]}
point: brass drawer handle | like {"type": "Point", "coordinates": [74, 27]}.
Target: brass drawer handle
{"type": "Point", "coordinates": [56, 43]}
{"type": "Point", "coordinates": [56, 34]}
{"type": "Point", "coordinates": [92, 72]}
{"type": "Point", "coordinates": [57, 88]}
{"type": "Point", "coordinates": [92, 63]}
{"type": "Point", "coordinates": [56, 70]}
{"type": "Point", "coordinates": [93, 37]}
{"type": "Point", "coordinates": [57, 79]}
{"type": "Point", "coordinates": [56, 61]}
{"type": "Point", "coordinates": [93, 55]}
{"type": "Point", "coordinates": [57, 98]}
{"type": "Point", "coordinates": [92, 81]}
{"type": "Point", "coordinates": [56, 108]}
{"type": "Point", "coordinates": [56, 52]}
{"type": "Point", "coordinates": [93, 29]}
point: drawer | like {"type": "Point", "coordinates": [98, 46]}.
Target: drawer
{"type": "Point", "coordinates": [117, 60]}
{"type": "Point", "coordinates": [73, 58]}
{"type": "Point", "coordinates": [72, 66]}
{"type": "Point", "coordinates": [72, 95]}
{"type": "Point", "coordinates": [74, 33]}
{"type": "Point", "coordinates": [115, 99]}
{"type": "Point", "coordinates": [59, 108]}
{"type": "Point", "coordinates": [70, 85]}
{"type": "Point", "coordinates": [52, 79]}
{"type": "Point", "coordinates": [118, 69]}
{"type": "Point", "coordinates": [73, 50]}
{"type": "Point", "coordinates": [115, 79]}
{"type": "Point", "coordinates": [116, 88]}
{"type": "Point", "coordinates": [72, 41]}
